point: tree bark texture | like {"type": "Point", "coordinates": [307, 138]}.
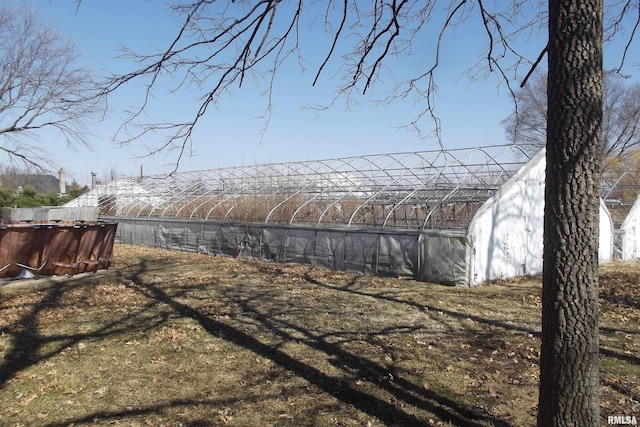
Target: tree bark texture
{"type": "Point", "coordinates": [569, 379]}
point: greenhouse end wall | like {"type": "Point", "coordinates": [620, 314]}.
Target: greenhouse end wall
{"type": "Point", "coordinates": [437, 256]}
{"type": "Point", "coordinates": [628, 235]}
{"type": "Point", "coordinates": [506, 234]}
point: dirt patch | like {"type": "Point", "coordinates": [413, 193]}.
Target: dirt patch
{"type": "Point", "coordinates": [179, 339]}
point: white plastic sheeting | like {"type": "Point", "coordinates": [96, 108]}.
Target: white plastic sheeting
{"type": "Point", "coordinates": [506, 233]}
{"type": "Point", "coordinates": [628, 235]}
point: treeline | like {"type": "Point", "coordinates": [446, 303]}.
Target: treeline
{"type": "Point", "coordinates": [28, 197]}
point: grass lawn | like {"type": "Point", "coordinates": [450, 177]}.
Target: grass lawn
{"type": "Point", "coordinates": [179, 339]}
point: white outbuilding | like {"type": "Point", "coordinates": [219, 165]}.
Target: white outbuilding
{"type": "Point", "coordinates": [506, 234]}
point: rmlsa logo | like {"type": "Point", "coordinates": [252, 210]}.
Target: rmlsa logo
{"type": "Point", "coordinates": [629, 420]}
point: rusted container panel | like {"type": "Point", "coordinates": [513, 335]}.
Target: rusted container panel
{"type": "Point", "coordinates": [55, 248]}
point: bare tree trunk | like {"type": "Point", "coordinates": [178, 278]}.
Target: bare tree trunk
{"type": "Point", "coordinates": [569, 379]}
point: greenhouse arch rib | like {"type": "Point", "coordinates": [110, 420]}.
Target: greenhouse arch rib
{"type": "Point", "coordinates": [391, 180]}
{"type": "Point", "coordinates": [469, 181]}
{"type": "Point", "coordinates": [397, 190]}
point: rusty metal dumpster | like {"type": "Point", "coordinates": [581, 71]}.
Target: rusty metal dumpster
{"type": "Point", "coordinates": [53, 247]}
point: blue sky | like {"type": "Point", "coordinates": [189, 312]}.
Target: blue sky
{"type": "Point", "coordinates": [471, 113]}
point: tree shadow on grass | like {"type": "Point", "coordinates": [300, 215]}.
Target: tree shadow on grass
{"type": "Point", "coordinates": [27, 344]}
{"type": "Point", "coordinates": [424, 307]}
{"type": "Point", "coordinates": [620, 297]}
{"type": "Point", "coordinates": [445, 408]}
{"type": "Point", "coordinates": [28, 349]}
{"type": "Point", "coordinates": [479, 319]}
{"type": "Point", "coordinates": [26, 341]}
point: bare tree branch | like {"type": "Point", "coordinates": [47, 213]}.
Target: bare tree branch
{"type": "Point", "coordinates": [41, 87]}
{"type": "Point", "coordinates": [336, 39]}
{"type": "Point", "coordinates": [218, 45]}
{"type": "Point", "coordinates": [534, 66]}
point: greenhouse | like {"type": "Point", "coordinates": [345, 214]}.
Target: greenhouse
{"type": "Point", "coordinates": [459, 217]}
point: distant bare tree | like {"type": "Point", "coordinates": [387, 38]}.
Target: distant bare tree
{"type": "Point", "coordinates": [621, 177]}
{"type": "Point", "coordinates": [41, 87]}
{"type": "Point", "coordinates": [527, 125]}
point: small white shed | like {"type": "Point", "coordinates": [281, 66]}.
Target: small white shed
{"type": "Point", "coordinates": [506, 234]}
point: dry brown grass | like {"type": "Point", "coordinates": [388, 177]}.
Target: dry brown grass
{"type": "Point", "coordinates": [177, 339]}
